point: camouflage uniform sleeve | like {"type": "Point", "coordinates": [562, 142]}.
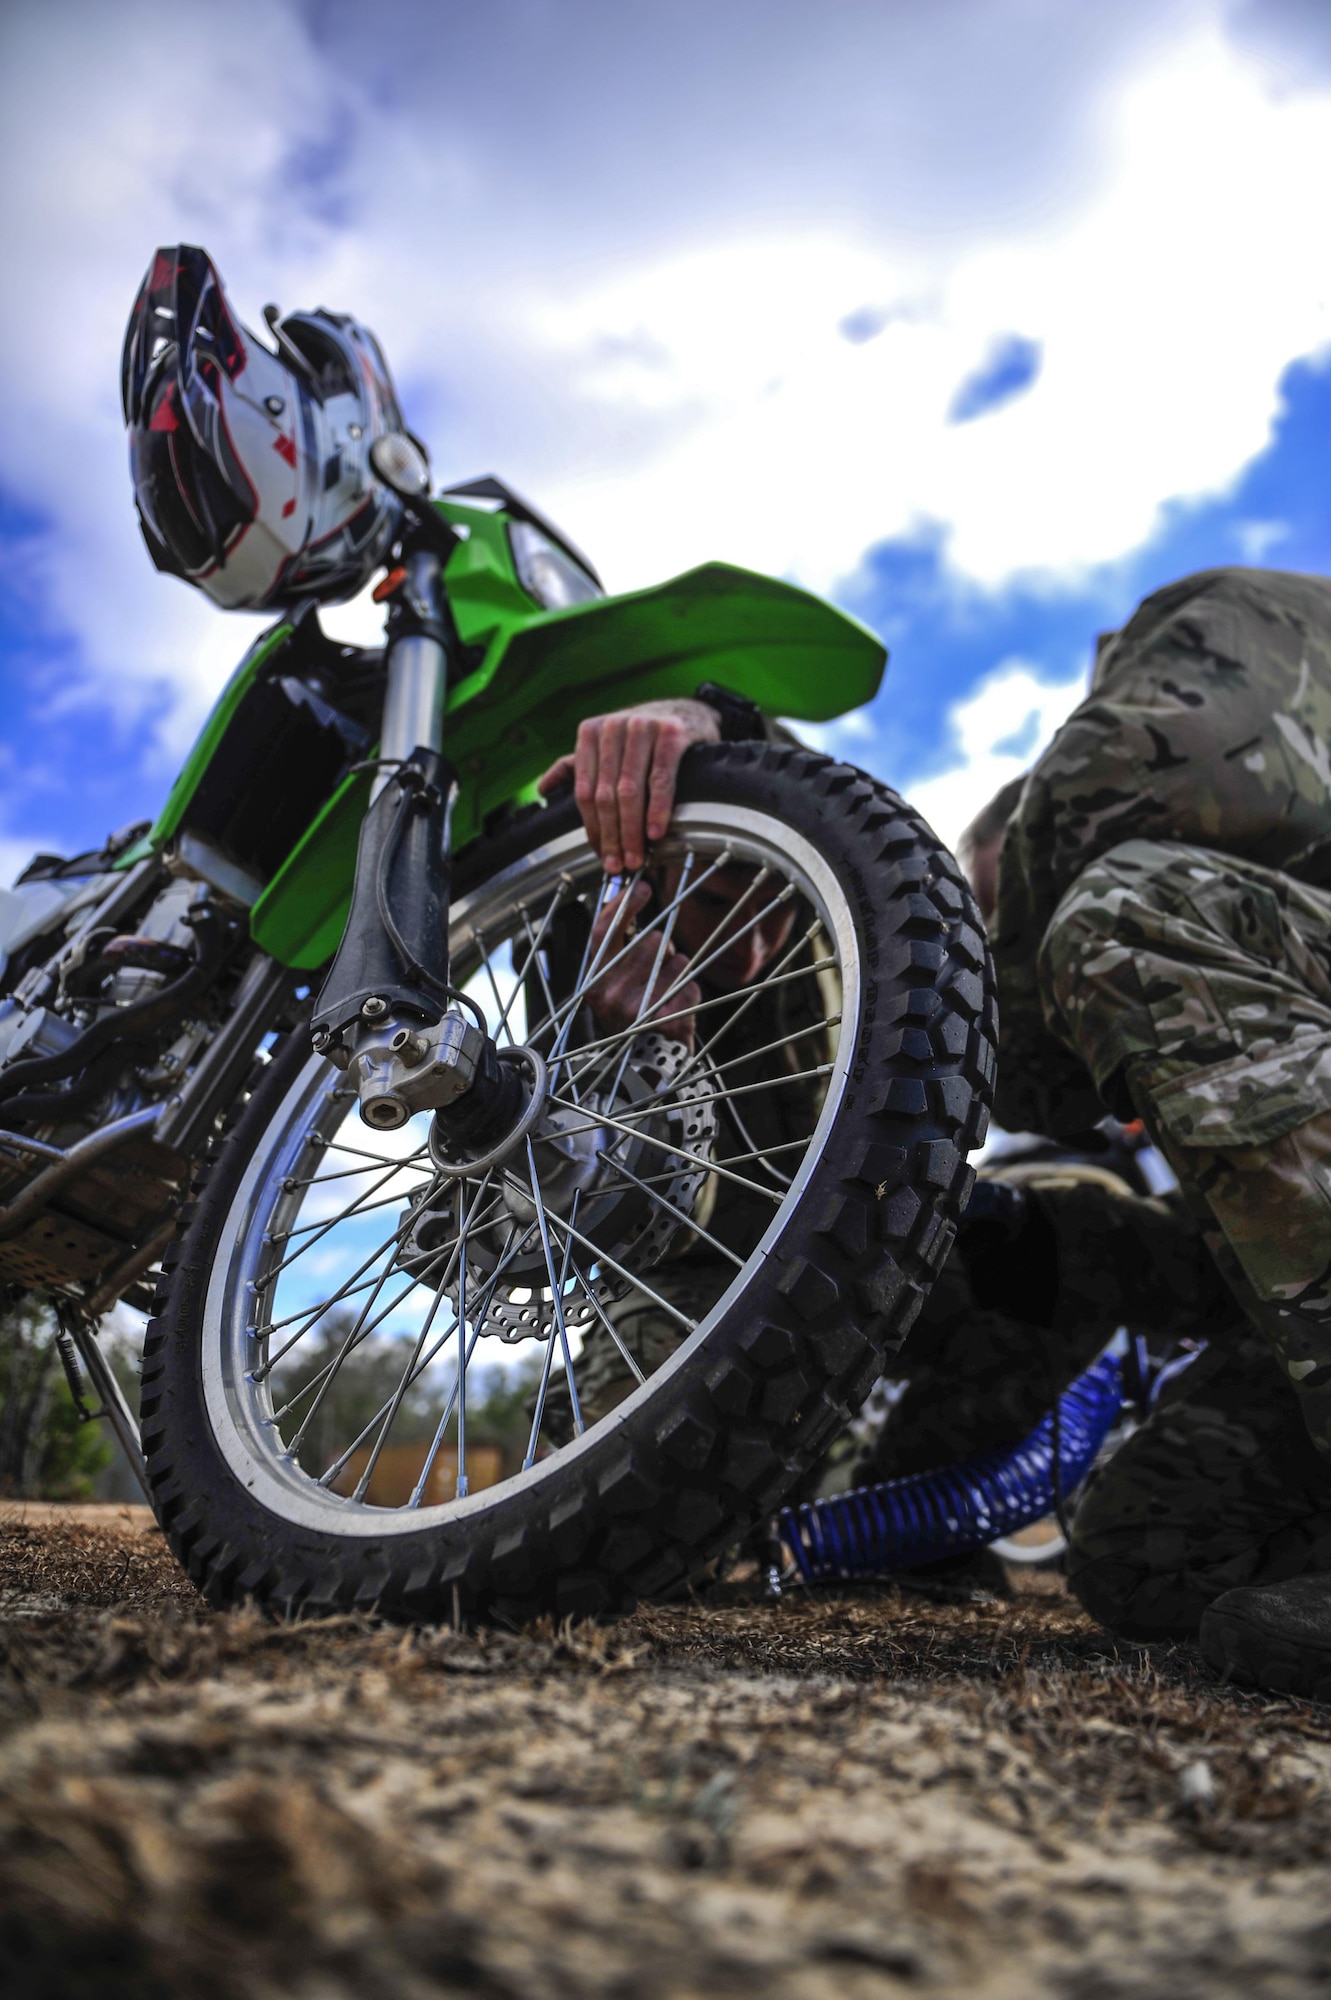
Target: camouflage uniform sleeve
{"type": "Point", "coordinates": [1206, 722]}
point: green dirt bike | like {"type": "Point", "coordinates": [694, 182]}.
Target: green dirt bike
{"type": "Point", "coordinates": [318, 1069]}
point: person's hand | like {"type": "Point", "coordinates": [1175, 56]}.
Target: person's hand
{"type": "Point", "coordinates": [624, 771]}
{"type": "Point", "coordinates": [635, 988]}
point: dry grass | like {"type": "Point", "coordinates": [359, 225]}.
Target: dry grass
{"type": "Point", "coordinates": [845, 1796]}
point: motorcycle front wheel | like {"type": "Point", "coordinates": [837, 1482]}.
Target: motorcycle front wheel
{"type": "Point", "coordinates": [563, 1370]}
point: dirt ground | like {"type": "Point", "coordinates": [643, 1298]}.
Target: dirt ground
{"type": "Point", "coordinates": [848, 1795]}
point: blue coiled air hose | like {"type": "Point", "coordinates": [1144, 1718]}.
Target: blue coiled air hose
{"type": "Point", "coordinates": [930, 1515]}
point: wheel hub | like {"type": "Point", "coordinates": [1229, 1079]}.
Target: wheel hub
{"type": "Point", "coordinates": [570, 1160]}
{"type": "Point", "coordinates": [587, 1176]}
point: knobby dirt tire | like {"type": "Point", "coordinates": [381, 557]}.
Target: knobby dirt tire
{"type": "Point", "coordinates": [651, 1496]}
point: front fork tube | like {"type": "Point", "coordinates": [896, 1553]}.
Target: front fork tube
{"type": "Point", "coordinates": [390, 974]}
{"type": "Point", "coordinates": [417, 670]}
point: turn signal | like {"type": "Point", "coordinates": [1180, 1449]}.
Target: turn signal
{"type": "Point", "coordinates": [388, 584]}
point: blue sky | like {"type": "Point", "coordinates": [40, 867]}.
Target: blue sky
{"type": "Point", "coordinates": [1031, 644]}
{"type": "Point", "coordinates": [985, 318]}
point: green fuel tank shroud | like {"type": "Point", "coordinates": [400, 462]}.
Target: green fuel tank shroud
{"type": "Point", "coordinates": [785, 649]}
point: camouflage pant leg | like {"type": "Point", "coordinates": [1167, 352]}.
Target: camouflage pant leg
{"type": "Point", "coordinates": [1197, 985]}
{"type": "Point", "coordinates": [1011, 1321]}
{"type": "Point", "coordinates": [1221, 1487]}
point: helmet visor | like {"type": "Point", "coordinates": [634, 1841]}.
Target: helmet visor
{"type": "Point", "coordinates": [182, 343]}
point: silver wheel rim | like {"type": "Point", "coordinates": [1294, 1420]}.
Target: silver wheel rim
{"type": "Point", "coordinates": [256, 1314]}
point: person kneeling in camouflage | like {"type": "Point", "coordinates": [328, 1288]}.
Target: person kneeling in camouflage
{"type": "Point", "coordinates": [1163, 946]}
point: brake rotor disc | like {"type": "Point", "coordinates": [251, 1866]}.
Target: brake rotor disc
{"type": "Point", "coordinates": [624, 1188]}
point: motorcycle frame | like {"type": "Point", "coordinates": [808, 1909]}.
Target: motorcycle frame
{"type": "Point", "coordinates": [519, 681]}
{"type": "Point", "coordinates": [478, 664]}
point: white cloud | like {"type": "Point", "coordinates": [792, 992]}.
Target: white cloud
{"type": "Point", "coordinates": [102, 157]}
{"type": "Point", "coordinates": [697, 401]}
{"type": "Point", "coordinates": [1258, 539]}
{"type": "Point", "coordinates": [16, 853]}
{"type": "Point", "coordinates": [1167, 310]}
{"type": "Point", "coordinates": [996, 733]}
{"type": "Point", "coordinates": [850, 736]}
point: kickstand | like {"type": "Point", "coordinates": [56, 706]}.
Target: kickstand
{"type": "Point", "coordinates": [76, 1338]}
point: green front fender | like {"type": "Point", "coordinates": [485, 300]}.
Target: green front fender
{"type": "Point", "coordinates": [790, 652]}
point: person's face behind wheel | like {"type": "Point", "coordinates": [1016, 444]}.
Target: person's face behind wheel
{"type": "Point", "coordinates": [716, 921]}
{"type": "Point", "coordinates": [715, 924]}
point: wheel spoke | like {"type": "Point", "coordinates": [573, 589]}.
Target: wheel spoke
{"type": "Point", "coordinates": [327, 1374]}
{"type": "Point", "coordinates": [533, 958]}
{"type": "Point", "coordinates": [359, 1152]}
{"type": "Point", "coordinates": [703, 957]}
{"type": "Point", "coordinates": [542, 1390]}
{"type": "Point", "coordinates": [751, 999]}
{"type": "Point", "coordinates": [699, 963]}
{"type": "Point", "coordinates": [653, 1105]}
{"type": "Point", "coordinates": [362, 1330]}
{"type": "Point", "coordinates": [648, 991]}
{"type": "Point", "coordinates": [669, 1090]}
{"type": "Point", "coordinates": [309, 1314]}
{"type": "Point", "coordinates": [696, 1060]}
{"type": "Point", "coordinates": [562, 1021]}
{"type": "Point", "coordinates": [330, 1473]}
{"type": "Point", "coordinates": [738, 1159]}
{"type": "Point", "coordinates": [457, 1258]}
{"type": "Point", "coordinates": [667, 933]}
{"type": "Point", "coordinates": [783, 1181]}
{"type": "Point", "coordinates": [460, 1486]}
{"type": "Point", "coordinates": [602, 891]}
{"type": "Point", "coordinates": [602, 1314]}
{"type": "Point", "coordinates": [395, 1404]}
{"type": "Point", "coordinates": [502, 1011]}
{"type": "Point", "coordinates": [442, 1427]}
{"type": "Point", "coordinates": [600, 1256]}
{"type": "Point", "coordinates": [293, 1185]}
{"type": "Point", "coordinates": [556, 1284]}
{"type": "Point", "coordinates": [679, 1214]}
{"type": "Point", "coordinates": [578, 1425]}
{"type": "Point", "coordinates": [770, 981]}
{"type": "Point", "coordinates": [770, 1048]}
{"type": "Point", "coordinates": [357, 1207]}
{"type": "Point", "coordinates": [662, 1145]}
{"type": "Point", "coordinates": [588, 975]}
{"type": "Point", "coordinates": [366, 1208]}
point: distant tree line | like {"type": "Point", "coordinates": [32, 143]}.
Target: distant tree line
{"type": "Point", "coordinates": [47, 1452]}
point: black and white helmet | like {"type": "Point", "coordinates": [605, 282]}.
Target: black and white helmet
{"type": "Point", "coordinates": [252, 469]}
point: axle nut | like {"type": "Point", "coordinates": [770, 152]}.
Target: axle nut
{"type": "Point", "coordinates": [386, 1114]}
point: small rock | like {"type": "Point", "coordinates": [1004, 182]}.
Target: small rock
{"type": "Point", "coordinates": [870, 1947]}
{"type": "Point", "coordinates": [1196, 1785]}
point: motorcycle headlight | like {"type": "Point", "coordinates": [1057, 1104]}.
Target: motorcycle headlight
{"type": "Point", "coordinates": [547, 572]}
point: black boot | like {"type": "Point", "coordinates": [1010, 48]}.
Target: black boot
{"type": "Point", "coordinates": [1273, 1635]}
